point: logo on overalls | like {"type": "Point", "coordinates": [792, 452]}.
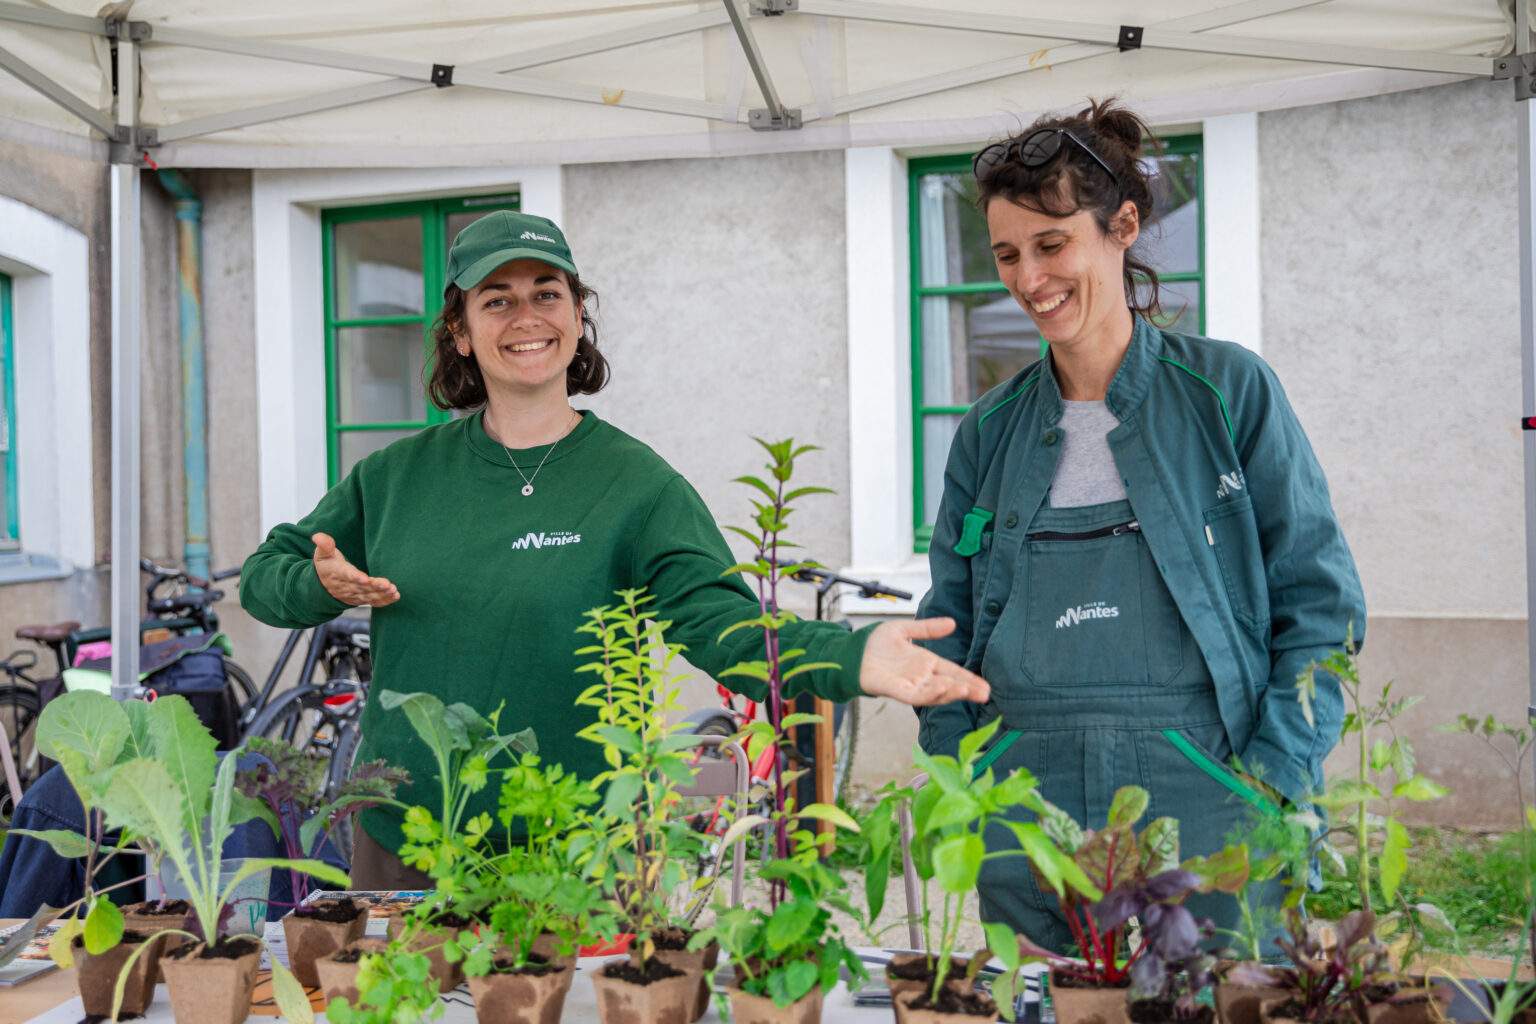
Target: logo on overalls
{"type": "Point", "coordinates": [546, 540]}
{"type": "Point", "coordinates": [1230, 483]}
{"type": "Point", "coordinates": [1097, 610]}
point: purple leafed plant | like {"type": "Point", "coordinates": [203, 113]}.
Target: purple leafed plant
{"type": "Point", "coordinates": [1170, 966]}
{"type": "Point", "coordinates": [291, 795]}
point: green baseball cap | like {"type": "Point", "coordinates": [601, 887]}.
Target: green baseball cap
{"type": "Point", "coordinates": [501, 237]}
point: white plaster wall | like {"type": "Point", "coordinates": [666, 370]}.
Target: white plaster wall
{"type": "Point", "coordinates": [1391, 312]}
{"type": "Point", "coordinates": [724, 316]}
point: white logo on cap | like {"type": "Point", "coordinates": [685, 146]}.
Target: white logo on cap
{"type": "Point", "coordinates": [538, 237]}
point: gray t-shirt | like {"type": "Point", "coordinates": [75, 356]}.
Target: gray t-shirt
{"type": "Point", "coordinates": [1086, 474]}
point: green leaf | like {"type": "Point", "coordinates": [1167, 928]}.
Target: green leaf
{"type": "Point", "coordinates": [753, 481]}
{"type": "Point", "coordinates": [291, 998]}
{"type": "Point", "coordinates": [103, 927]}
{"type": "Point", "coordinates": [69, 845]}
{"type": "Point", "coordinates": [61, 945]}
{"type": "Point", "coordinates": [957, 863]}
{"type": "Point", "coordinates": [1347, 793]}
{"type": "Point", "coordinates": [244, 808]}
{"type": "Point", "coordinates": [1394, 858]}
{"type": "Point", "coordinates": [183, 744]}
{"type": "Point", "coordinates": [318, 870]}
{"type": "Point", "coordinates": [799, 978]}
{"type": "Point", "coordinates": [1159, 844]}
{"type": "Point", "coordinates": [89, 723]}
{"type": "Point", "coordinates": [1127, 807]}
{"type": "Point", "coordinates": [972, 742]}
{"type": "Point", "coordinates": [954, 808]}
{"type": "Point", "coordinates": [791, 721]}
{"type": "Point", "coordinates": [1226, 870]}
{"type": "Point", "coordinates": [143, 797]}
{"type": "Point", "coordinates": [1381, 755]}
{"type": "Point", "coordinates": [677, 771]}
{"type": "Point", "coordinates": [621, 796]}
{"type": "Point", "coordinates": [623, 739]}
{"type": "Point", "coordinates": [788, 923]}
{"type": "Point", "coordinates": [1420, 788]}
{"type": "Point", "coordinates": [429, 718]}
{"type": "Point", "coordinates": [1003, 943]}
{"type": "Point", "coordinates": [826, 812]}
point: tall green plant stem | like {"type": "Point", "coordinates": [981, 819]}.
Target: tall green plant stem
{"type": "Point", "coordinates": [1363, 854]}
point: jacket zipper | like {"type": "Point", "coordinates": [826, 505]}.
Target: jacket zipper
{"type": "Point", "coordinates": [1109, 531]}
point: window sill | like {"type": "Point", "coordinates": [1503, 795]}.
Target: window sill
{"type": "Point", "coordinates": [20, 567]}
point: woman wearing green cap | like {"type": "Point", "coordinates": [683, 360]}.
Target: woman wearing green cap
{"type": "Point", "coordinates": [480, 542]}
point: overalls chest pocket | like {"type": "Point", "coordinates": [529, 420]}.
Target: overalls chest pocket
{"type": "Point", "coordinates": [1098, 613]}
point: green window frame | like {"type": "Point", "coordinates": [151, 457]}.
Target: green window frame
{"type": "Point", "coordinates": [10, 537]}
{"type": "Point", "coordinates": [960, 163]}
{"type": "Point", "coordinates": [434, 216]}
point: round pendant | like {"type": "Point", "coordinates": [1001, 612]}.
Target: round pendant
{"type": "Point", "coordinates": [527, 489]}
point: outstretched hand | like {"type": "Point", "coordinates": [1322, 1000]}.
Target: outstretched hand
{"type": "Point", "coordinates": [895, 667]}
{"type": "Point", "coordinates": [345, 581]}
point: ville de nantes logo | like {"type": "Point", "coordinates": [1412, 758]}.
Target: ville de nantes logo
{"type": "Point", "coordinates": [559, 538]}
{"type": "Point", "coordinates": [1084, 612]}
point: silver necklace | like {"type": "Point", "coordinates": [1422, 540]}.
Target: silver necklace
{"type": "Point", "coordinates": [528, 480]}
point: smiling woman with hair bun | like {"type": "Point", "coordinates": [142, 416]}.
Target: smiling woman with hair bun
{"type": "Point", "coordinates": [480, 542]}
{"type": "Point", "coordinates": [1135, 538]}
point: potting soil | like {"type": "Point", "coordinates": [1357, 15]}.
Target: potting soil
{"type": "Point", "coordinates": [333, 911]}
{"type": "Point", "coordinates": [654, 971]}
{"type": "Point", "coordinates": [234, 949]}
{"type": "Point", "coordinates": [1161, 1011]}
{"type": "Point", "coordinates": [973, 1004]}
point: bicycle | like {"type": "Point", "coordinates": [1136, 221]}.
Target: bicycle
{"type": "Point", "coordinates": [181, 613]}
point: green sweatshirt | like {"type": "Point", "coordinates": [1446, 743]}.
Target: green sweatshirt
{"type": "Point", "coordinates": [493, 584]}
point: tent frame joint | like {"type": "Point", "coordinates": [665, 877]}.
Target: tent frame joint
{"type": "Point", "coordinates": [761, 119]}
{"type": "Point", "coordinates": [773, 8]}
{"type": "Point", "coordinates": [131, 146]}
{"type": "Point", "coordinates": [129, 31]}
{"type": "Point", "coordinates": [1130, 37]}
{"type": "Point", "coordinates": [1522, 68]}
{"type": "Point", "coordinates": [442, 75]}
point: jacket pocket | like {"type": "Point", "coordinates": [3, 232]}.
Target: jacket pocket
{"type": "Point", "coordinates": [1231, 531]}
{"type": "Point", "coordinates": [1201, 759]}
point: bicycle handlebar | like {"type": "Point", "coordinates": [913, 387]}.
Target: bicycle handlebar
{"type": "Point", "coordinates": [184, 602]}
{"type": "Point", "coordinates": [825, 579]}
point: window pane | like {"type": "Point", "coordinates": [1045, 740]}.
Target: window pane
{"type": "Point", "coordinates": [1181, 306]}
{"type": "Point", "coordinates": [377, 268]}
{"type": "Point", "coordinates": [955, 247]}
{"type": "Point", "coordinates": [1172, 241]}
{"type": "Point", "coordinates": [378, 374]}
{"type": "Point", "coordinates": [355, 444]}
{"type": "Point", "coordinates": [972, 343]}
{"type": "Point", "coordinates": [938, 432]}
{"type": "Point", "coordinates": [459, 221]}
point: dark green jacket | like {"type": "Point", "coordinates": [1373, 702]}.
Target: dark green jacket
{"type": "Point", "coordinates": [493, 584]}
{"type": "Point", "coordinates": [1233, 506]}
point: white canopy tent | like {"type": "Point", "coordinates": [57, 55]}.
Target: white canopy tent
{"type": "Point", "coordinates": [322, 83]}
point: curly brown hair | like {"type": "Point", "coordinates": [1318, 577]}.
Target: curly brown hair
{"type": "Point", "coordinates": [453, 381]}
{"type": "Point", "coordinates": [1074, 181]}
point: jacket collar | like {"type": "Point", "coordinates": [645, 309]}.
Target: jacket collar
{"type": "Point", "coordinates": [1130, 383]}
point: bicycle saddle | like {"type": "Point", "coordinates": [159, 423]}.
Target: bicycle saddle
{"type": "Point", "coordinates": [54, 634]}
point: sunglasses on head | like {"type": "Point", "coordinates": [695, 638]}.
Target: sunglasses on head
{"type": "Point", "coordinates": [1034, 150]}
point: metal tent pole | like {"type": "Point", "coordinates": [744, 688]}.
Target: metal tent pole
{"type": "Point", "coordinates": [125, 387]}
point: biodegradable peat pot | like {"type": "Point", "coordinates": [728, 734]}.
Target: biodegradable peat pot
{"type": "Point", "coordinates": [661, 995]}
{"type": "Point", "coordinates": [1162, 1011]}
{"type": "Point", "coordinates": [337, 973]}
{"type": "Point", "coordinates": [1239, 1004]}
{"type": "Point", "coordinates": [672, 950]}
{"type": "Point", "coordinates": [952, 1008]}
{"type": "Point", "coordinates": [1417, 1002]}
{"type": "Point", "coordinates": [329, 926]}
{"type": "Point", "coordinates": [521, 995]}
{"type": "Point", "coordinates": [747, 1008]}
{"type": "Point", "coordinates": [908, 972]}
{"type": "Point", "coordinates": [430, 941]}
{"type": "Point", "coordinates": [148, 917]}
{"type": "Point", "coordinates": [1286, 1010]}
{"type": "Point", "coordinates": [545, 946]}
{"type": "Point", "coordinates": [1079, 1003]}
{"type": "Point", "coordinates": [97, 975]}
{"type": "Point", "coordinates": [212, 986]}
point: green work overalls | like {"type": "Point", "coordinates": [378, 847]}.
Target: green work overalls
{"type": "Point", "coordinates": [1106, 688]}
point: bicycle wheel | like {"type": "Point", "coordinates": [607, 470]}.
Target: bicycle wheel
{"type": "Point", "coordinates": [18, 712]}
{"type": "Point", "coordinates": [303, 719]}
{"type": "Point", "coordinates": [348, 738]}
{"type": "Point", "coordinates": [240, 685]}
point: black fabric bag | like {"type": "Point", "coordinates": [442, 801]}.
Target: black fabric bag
{"type": "Point", "coordinates": [190, 667]}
